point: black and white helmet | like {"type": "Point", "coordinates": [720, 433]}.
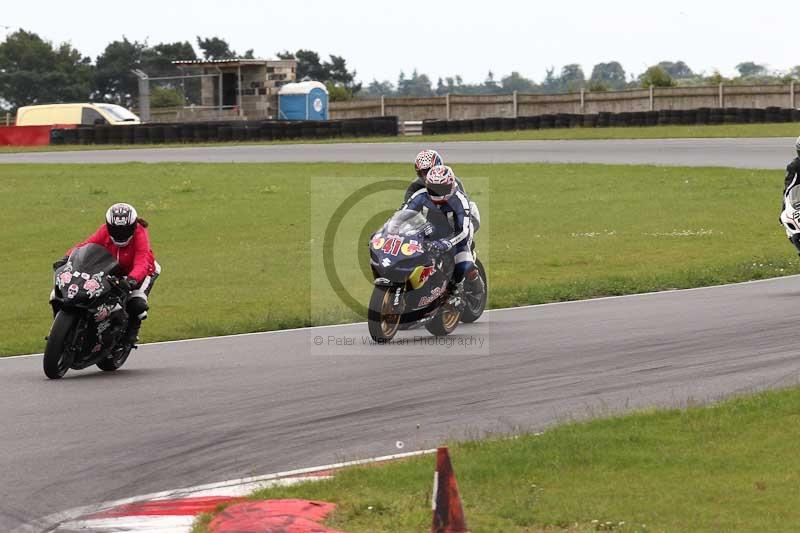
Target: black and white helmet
{"type": "Point", "coordinates": [121, 223]}
{"type": "Point", "coordinates": [426, 160]}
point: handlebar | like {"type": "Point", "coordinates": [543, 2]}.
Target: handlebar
{"type": "Point", "coordinates": [120, 283]}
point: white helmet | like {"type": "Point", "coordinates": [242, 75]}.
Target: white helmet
{"type": "Point", "coordinates": [797, 146]}
{"type": "Point", "coordinates": [440, 183]}
{"type": "Point", "coordinates": [121, 223]}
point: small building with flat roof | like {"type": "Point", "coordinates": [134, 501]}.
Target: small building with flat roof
{"type": "Point", "coordinates": [247, 88]}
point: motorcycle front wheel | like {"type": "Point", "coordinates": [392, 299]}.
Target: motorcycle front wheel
{"type": "Point", "coordinates": [383, 323]}
{"type": "Point", "coordinates": [475, 304]}
{"type": "Point", "coordinates": [445, 321]}
{"type": "Point", "coordinates": [57, 355]}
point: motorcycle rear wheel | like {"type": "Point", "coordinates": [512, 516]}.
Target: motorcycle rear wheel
{"type": "Point", "coordinates": [57, 357]}
{"type": "Point", "coordinates": [383, 325]}
{"type": "Point", "coordinates": [114, 362]}
{"type": "Point", "coordinates": [445, 321]}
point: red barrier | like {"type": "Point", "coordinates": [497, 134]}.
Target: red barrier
{"type": "Point", "coordinates": [25, 135]}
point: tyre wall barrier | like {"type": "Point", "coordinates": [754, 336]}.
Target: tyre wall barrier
{"type": "Point", "coordinates": [240, 131]}
{"type": "Point", "coordinates": [664, 117]}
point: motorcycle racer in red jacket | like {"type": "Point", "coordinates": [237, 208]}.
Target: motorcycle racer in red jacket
{"type": "Point", "coordinates": [125, 236]}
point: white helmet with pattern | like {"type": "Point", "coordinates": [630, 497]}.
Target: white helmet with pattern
{"type": "Point", "coordinates": [121, 223]}
{"type": "Point", "coordinates": [426, 160]}
{"type": "Point", "coordinates": [440, 183]}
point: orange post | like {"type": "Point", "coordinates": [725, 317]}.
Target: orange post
{"type": "Point", "coordinates": [448, 515]}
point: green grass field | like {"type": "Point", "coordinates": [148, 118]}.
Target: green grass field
{"type": "Point", "coordinates": [653, 132]}
{"type": "Point", "coordinates": [727, 467]}
{"type": "Point", "coordinates": [240, 244]}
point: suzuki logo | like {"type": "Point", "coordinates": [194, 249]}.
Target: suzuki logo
{"type": "Point", "coordinates": [386, 262]}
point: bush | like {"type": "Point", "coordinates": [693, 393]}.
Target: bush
{"type": "Point", "coordinates": [166, 97]}
{"type": "Point", "coordinates": [597, 87]}
{"type": "Point", "coordinates": [338, 92]}
{"type": "Point", "coordinates": [658, 77]}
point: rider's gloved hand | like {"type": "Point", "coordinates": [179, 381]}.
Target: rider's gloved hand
{"type": "Point", "coordinates": [132, 283]}
{"type": "Point", "coordinates": [442, 245]}
{"type": "Point", "coordinates": [60, 263]}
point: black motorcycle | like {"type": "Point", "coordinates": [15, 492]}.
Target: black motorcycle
{"type": "Point", "coordinates": [90, 324]}
{"type": "Point", "coordinates": [412, 281]}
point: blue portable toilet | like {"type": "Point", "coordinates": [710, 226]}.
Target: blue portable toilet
{"type": "Point", "coordinates": [306, 100]}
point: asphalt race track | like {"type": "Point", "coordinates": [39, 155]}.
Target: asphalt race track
{"type": "Point", "coordinates": [192, 412]}
{"type": "Point", "coordinates": [769, 153]}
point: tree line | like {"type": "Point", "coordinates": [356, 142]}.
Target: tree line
{"type": "Point", "coordinates": [571, 78]}
{"type": "Point", "coordinates": [34, 70]}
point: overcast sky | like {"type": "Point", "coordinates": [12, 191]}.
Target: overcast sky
{"type": "Point", "coordinates": [442, 37]}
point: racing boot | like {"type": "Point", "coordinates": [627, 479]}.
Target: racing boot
{"type": "Point", "coordinates": [131, 336]}
{"type": "Point", "coordinates": [456, 292]}
{"type": "Point", "coordinates": [473, 283]}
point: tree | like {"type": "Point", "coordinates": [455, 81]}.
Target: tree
{"type": "Point", "coordinates": [418, 85]}
{"type": "Point", "coordinates": [33, 71]}
{"type": "Point", "coordinates": [677, 70]}
{"type": "Point", "coordinates": [657, 77]}
{"type": "Point", "coordinates": [337, 72]}
{"type": "Point", "coordinates": [441, 88]}
{"type": "Point", "coordinates": [607, 75]}
{"type": "Point", "coordinates": [516, 82]}
{"type": "Point", "coordinates": [749, 69]}
{"type": "Point", "coordinates": [572, 77]}
{"type": "Point", "coordinates": [716, 78]}
{"type": "Point", "coordinates": [552, 83]}
{"type": "Point", "coordinates": [379, 88]}
{"type": "Point", "coordinates": [217, 48]}
{"type": "Point", "coordinates": [114, 80]}
{"type": "Point", "coordinates": [157, 61]}
{"type": "Point", "coordinates": [308, 64]}
{"type": "Point", "coordinates": [490, 85]}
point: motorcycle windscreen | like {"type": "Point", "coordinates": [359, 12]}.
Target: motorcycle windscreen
{"type": "Point", "coordinates": [793, 197]}
{"type": "Point", "coordinates": [406, 222]}
{"type": "Point", "coordinates": [93, 259]}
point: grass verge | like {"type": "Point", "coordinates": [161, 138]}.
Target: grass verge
{"type": "Point", "coordinates": [652, 132]}
{"type": "Point", "coordinates": [725, 467]}
{"type": "Point", "coordinates": [239, 242]}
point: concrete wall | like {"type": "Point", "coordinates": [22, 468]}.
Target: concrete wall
{"type": "Point", "coordinates": [481, 106]}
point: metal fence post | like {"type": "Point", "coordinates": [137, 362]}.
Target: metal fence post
{"type": "Point", "coordinates": [583, 100]}
{"type": "Point", "coordinates": [383, 106]}
{"type": "Point", "coordinates": [791, 96]}
{"type": "Point", "coordinates": [8, 119]}
{"type": "Point", "coordinates": [721, 95]}
{"type": "Point", "coordinates": [447, 106]}
{"type": "Point", "coordinates": [515, 104]}
{"type": "Point", "coordinates": [144, 95]}
{"type": "Point", "coordinates": [652, 98]}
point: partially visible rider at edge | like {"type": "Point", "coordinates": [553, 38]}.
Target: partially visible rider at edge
{"type": "Point", "coordinates": [426, 160]}
{"type": "Point", "coordinates": [124, 234]}
{"type": "Point", "coordinates": [792, 173]}
{"type": "Point", "coordinates": [441, 192]}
